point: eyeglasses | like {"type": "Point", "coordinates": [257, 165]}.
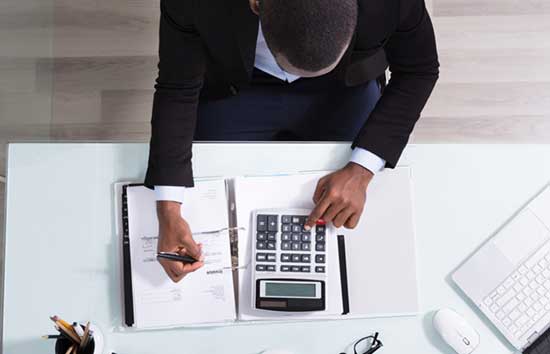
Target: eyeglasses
{"type": "Point", "coordinates": [371, 344]}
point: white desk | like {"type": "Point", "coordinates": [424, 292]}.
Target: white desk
{"type": "Point", "coordinates": [60, 239]}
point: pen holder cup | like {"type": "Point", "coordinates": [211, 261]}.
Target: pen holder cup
{"type": "Point", "coordinates": [95, 346]}
{"type": "Point", "coordinates": [62, 345]}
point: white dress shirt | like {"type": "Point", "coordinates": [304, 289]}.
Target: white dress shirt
{"type": "Point", "coordinates": [265, 61]}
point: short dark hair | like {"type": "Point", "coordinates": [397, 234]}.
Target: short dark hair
{"type": "Point", "coordinates": [311, 34]}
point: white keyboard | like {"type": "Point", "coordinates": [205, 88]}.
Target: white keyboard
{"type": "Point", "coordinates": [523, 299]}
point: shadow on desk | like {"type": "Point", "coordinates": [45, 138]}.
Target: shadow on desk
{"type": "Point", "coordinates": [34, 346]}
{"type": "Point", "coordinates": [434, 338]}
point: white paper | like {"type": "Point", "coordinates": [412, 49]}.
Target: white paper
{"type": "Point", "coordinates": [205, 296]}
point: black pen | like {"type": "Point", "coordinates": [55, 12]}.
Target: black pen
{"type": "Point", "coordinates": [176, 257]}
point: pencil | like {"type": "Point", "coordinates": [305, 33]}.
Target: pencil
{"type": "Point", "coordinates": [51, 336]}
{"type": "Point", "coordinates": [86, 336]}
{"type": "Point", "coordinates": [69, 351]}
{"type": "Point", "coordinates": [62, 329]}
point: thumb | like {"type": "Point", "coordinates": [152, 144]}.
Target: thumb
{"type": "Point", "coordinates": [191, 247]}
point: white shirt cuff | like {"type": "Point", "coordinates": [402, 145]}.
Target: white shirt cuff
{"type": "Point", "coordinates": [367, 159]}
{"type": "Point", "coordinates": [169, 193]}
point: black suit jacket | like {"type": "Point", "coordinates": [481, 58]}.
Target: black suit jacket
{"type": "Point", "coordinates": [207, 48]}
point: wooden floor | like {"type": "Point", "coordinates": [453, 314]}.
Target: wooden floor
{"type": "Point", "coordinates": [84, 69]}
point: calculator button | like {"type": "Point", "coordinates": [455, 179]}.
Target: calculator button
{"type": "Point", "coordinates": [270, 268]}
{"type": "Point", "coordinates": [320, 246]}
{"type": "Point", "coordinates": [285, 257]}
{"type": "Point", "coordinates": [261, 257]}
{"type": "Point", "coordinates": [286, 219]}
{"type": "Point", "coordinates": [295, 269]}
{"type": "Point", "coordinates": [286, 228]}
{"type": "Point", "coordinates": [306, 258]}
{"type": "Point", "coordinates": [271, 257]}
{"type": "Point", "coordinates": [320, 237]}
{"type": "Point", "coordinates": [295, 219]}
{"type": "Point", "coordinates": [261, 245]}
{"type": "Point", "coordinates": [285, 245]}
{"type": "Point", "coordinates": [271, 245]}
{"type": "Point", "coordinates": [295, 246]}
{"type": "Point", "coordinates": [260, 267]}
{"type": "Point", "coordinates": [296, 258]}
{"type": "Point", "coordinates": [320, 258]}
{"type": "Point", "coordinates": [306, 246]}
{"type": "Point", "coordinates": [320, 228]}
{"type": "Point", "coordinates": [262, 223]}
{"type": "Point", "coordinates": [306, 238]}
{"type": "Point", "coordinates": [296, 237]}
{"type": "Point", "coordinates": [296, 228]}
{"type": "Point", "coordinates": [272, 223]}
{"type": "Point", "coordinates": [285, 268]}
{"type": "Point", "coordinates": [306, 269]}
{"type": "Point", "coordinates": [261, 236]}
{"type": "Point", "coordinates": [319, 269]}
{"type": "Point", "coordinates": [285, 236]}
{"type": "Point", "coordinates": [271, 236]}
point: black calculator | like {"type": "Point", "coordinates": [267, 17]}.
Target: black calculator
{"type": "Point", "coordinates": [289, 262]}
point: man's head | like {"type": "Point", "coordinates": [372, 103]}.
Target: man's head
{"type": "Point", "coordinates": [308, 37]}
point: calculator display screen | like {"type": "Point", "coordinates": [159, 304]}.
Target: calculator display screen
{"type": "Point", "coordinates": [280, 289]}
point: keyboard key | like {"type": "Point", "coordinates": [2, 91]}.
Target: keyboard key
{"type": "Point", "coordinates": [296, 237]}
{"type": "Point", "coordinates": [533, 285]}
{"type": "Point", "coordinates": [501, 301]}
{"type": "Point", "coordinates": [500, 315]}
{"type": "Point", "coordinates": [537, 306]}
{"type": "Point", "coordinates": [510, 305]}
{"type": "Point", "coordinates": [488, 301]}
{"type": "Point", "coordinates": [319, 269]}
{"type": "Point", "coordinates": [296, 228]}
{"type": "Point", "coordinates": [296, 258]}
{"type": "Point", "coordinates": [262, 223]}
{"type": "Point", "coordinates": [306, 258]}
{"type": "Point", "coordinates": [540, 279]}
{"type": "Point", "coordinates": [320, 238]}
{"type": "Point", "coordinates": [522, 307]}
{"type": "Point", "coordinates": [514, 315]}
{"type": "Point", "coordinates": [270, 268]}
{"type": "Point", "coordinates": [285, 219]}
{"type": "Point", "coordinates": [295, 219]}
{"type": "Point", "coordinates": [320, 258]}
{"type": "Point", "coordinates": [517, 287]}
{"type": "Point", "coordinates": [515, 276]}
{"type": "Point", "coordinates": [271, 257]}
{"type": "Point", "coordinates": [320, 246]}
{"type": "Point", "coordinates": [261, 257]}
{"type": "Point", "coordinates": [285, 268]}
{"type": "Point", "coordinates": [261, 245]}
{"type": "Point", "coordinates": [508, 283]}
{"type": "Point", "coordinates": [320, 228]}
{"type": "Point", "coordinates": [285, 245]}
{"type": "Point", "coordinates": [306, 237]}
{"type": "Point", "coordinates": [530, 312]}
{"type": "Point", "coordinates": [295, 269]}
{"type": "Point", "coordinates": [271, 236]}
{"type": "Point", "coordinates": [272, 224]}
{"type": "Point", "coordinates": [530, 275]}
{"type": "Point", "coordinates": [295, 246]}
{"type": "Point", "coordinates": [494, 308]}
{"type": "Point", "coordinates": [286, 228]}
{"type": "Point", "coordinates": [520, 296]}
{"type": "Point", "coordinates": [285, 236]}
{"type": "Point", "coordinates": [501, 290]}
{"type": "Point", "coordinates": [523, 281]}
{"type": "Point", "coordinates": [522, 269]}
{"type": "Point", "coordinates": [271, 245]}
{"type": "Point", "coordinates": [261, 236]}
{"type": "Point", "coordinates": [506, 322]}
{"type": "Point", "coordinates": [306, 269]}
{"type": "Point", "coordinates": [260, 268]}
{"type": "Point", "coordinates": [537, 269]}
{"type": "Point", "coordinates": [285, 257]}
{"type": "Point", "coordinates": [541, 291]}
{"type": "Point", "coordinates": [306, 246]}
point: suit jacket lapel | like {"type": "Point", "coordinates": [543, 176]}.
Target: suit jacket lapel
{"type": "Point", "coordinates": [245, 23]}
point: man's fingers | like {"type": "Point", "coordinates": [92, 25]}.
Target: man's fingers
{"type": "Point", "coordinates": [353, 220]}
{"type": "Point", "coordinates": [333, 210]}
{"type": "Point", "coordinates": [319, 190]}
{"type": "Point", "coordinates": [317, 212]}
{"type": "Point", "coordinates": [191, 247]}
{"type": "Point", "coordinates": [191, 267]}
{"type": "Point", "coordinates": [174, 270]}
{"type": "Point", "coordinates": [342, 217]}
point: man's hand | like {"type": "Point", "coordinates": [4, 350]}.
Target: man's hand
{"type": "Point", "coordinates": [175, 236]}
{"type": "Point", "coordinates": [340, 196]}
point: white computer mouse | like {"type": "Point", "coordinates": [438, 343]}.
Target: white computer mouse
{"type": "Point", "coordinates": [455, 331]}
{"type": "Point", "coordinates": [276, 351]}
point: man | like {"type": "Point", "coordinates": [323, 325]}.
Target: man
{"type": "Point", "coordinates": [286, 70]}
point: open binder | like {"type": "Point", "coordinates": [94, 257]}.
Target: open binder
{"type": "Point", "coordinates": [372, 271]}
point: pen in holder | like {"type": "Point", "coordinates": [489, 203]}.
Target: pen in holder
{"type": "Point", "coordinates": [77, 338]}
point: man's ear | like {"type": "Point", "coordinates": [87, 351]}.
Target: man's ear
{"type": "Point", "coordinates": [255, 6]}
